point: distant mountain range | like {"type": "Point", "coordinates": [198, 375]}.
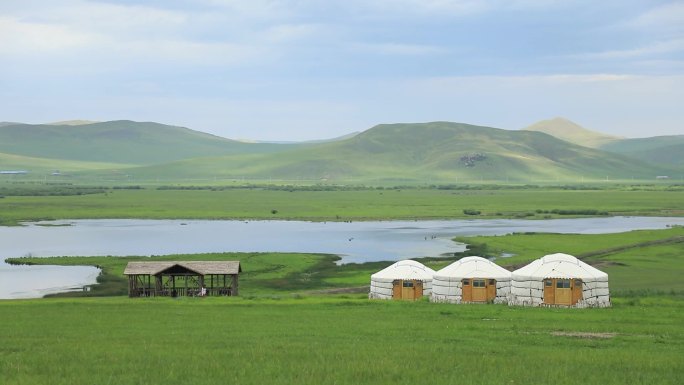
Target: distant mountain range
{"type": "Point", "coordinates": [121, 141]}
{"type": "Point", "coordinates": [666, 150]}
{"type": "Point", "coordinates": [438, 151]}
{"type": "Point", "coordinates": [572, 132]}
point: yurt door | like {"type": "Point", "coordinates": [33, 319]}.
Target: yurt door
{"type": "Point", "coordinates": [479, 290]}
{"type": "Point", "coordinates": [408, 290]}
{"type": "Point", "coordinates": [576, 290]}
{"type": "Point", "coordinates": [549, 291]}
{"type": "Point", "coordinates": [563, 292]}
{"type": "Point", "coordinates": [467, 292]}
{"type": "Point", "coordinates": [491, 290]}
{"type": "Point", "coordinates": [397, 289]}
{"type": "Point", "coordinates": [418, 293]}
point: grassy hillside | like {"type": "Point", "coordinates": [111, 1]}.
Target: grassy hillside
{"type": "Point", "coordinates": [42, 166]}
{"type": "Point", "coordinates": [438, 151]}
{"type": "Point", "coordinates": [572, 132]}
{"type": "Point", "coordinates": [666, 150]}
{"type": "Point", "coordinates": [120, 142]}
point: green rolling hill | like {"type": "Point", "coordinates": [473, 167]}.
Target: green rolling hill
{"type": "Point", "coordinates": [572, 132]}
{"type": "Point", "coordinates": [123, 141]}
{"type": "Point", "coordinates": [422, 152]}
{"type": "Point", "coordinates": [666, 150]}
{"type": "Point", "coordinates": [43, 166]}
{"type": "Point", "coordinates": [660, 150]}
{"type": "Point", "coordinates": [438, 151]}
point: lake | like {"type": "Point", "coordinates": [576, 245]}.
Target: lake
{"type": "Point", "coordinates": [355, 242]}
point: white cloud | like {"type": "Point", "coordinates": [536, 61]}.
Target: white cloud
{"type": "Point", "coordinates": [449, 8]}
{"type": "Point", "coordinates": [666, 15]}
{"type": "Point", "coordinates": [258, 9]}
{"type": "Point", "coordinates": [17, 37]}
{"type": "Point", "coordinates": [655, 48]}
{"type": "Point", "coordinates": [398, 49]}
{"type": "Point", "coordinates": [290, 32]}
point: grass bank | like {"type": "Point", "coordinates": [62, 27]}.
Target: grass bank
{"type": "Point", "coordinates": [264, 274]}
{"type": "Point", "coordinates": [362, 204]}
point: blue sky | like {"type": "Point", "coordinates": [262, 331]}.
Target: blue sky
{"type": "Point", "coordinates": [297, 70]}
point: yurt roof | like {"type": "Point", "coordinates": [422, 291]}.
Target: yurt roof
{"type": "Point", "coordinates": [406, 269]}
{"type": "Point", "coordinates": [559, 265]}
{"type": "Point", "coordinates": [473, 267]}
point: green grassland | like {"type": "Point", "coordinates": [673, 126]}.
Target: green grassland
{"type": "Point", "coordinates": [362, 204]}
{"type": "Point", "coordinates": [338, 339]}
{"type": "Point", "coordinates": [285, 328]}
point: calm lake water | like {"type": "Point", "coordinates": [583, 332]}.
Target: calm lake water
{"type": "Point", "coordinates": [355, 242]}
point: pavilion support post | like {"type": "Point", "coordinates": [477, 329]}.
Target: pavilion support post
{"type": "Point", "coordinates": [131, 285]}
{"type": "Point", "coordinates": [234, 286]}
{"type": "Point", "coordinates": [157, 285]}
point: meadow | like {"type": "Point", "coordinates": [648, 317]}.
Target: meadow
{"type": "Point", "coordinates": [364, 203]}
{"type": "Point", "coordinates": [336, 340]}
{"type": "Point", "coordinates": [289, 327]}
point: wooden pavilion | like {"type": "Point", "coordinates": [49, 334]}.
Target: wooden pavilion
{"type": "Point", "coordinates": [176, 279]}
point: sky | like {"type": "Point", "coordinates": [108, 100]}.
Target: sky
{"type": "Point", "coordinates": [304, 69]}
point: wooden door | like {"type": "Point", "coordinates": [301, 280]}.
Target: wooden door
{"type": "Point", "coordinates": [479, 288]}
{"type": "Point", "coordinates": [563, 292]}
{"type": "Point", "coordinates": [419, 289]}
{"type": "Point", "coordinates": [408, 290]}
{"type": "Point", "coordinates": [549, 291]}
{"type": "Point", "coordinates": [467, 292]}
{"type": "Point", "coordinates": [396, 289]}
{"type": "Point", "coordinates": [576, 290]}
{"type": "Point", "coordinates": [491, 290]}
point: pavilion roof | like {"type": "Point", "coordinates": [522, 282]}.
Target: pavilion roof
{"type": "Point", "coordinates": [200, 267]}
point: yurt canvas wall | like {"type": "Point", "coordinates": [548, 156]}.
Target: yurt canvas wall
{"type": "Point", "coordinates": [405, 279]}
{"type": "Point", "coordinates": [559, 280]}
{"type": "Point", "coordinates": [471, 279]}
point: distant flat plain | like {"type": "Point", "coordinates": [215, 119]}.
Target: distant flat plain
{"type": "Point", "coordinates": [334, 203]}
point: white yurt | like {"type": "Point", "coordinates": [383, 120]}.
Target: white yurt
{"type": "Point", "coordinates": [405, 279]}
{"type": "Point", "coordinates": [559, 280]}
{"type": "Point", "coordinates": [471, 279]}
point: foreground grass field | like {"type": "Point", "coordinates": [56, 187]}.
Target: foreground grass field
{"type": "Point", "coordinates": [336, 340]}
{"type": "Point", "coordinates": [363, 204]}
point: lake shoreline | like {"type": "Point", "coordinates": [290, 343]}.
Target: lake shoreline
{"type": "Point", "coordinates": [351, 242]}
